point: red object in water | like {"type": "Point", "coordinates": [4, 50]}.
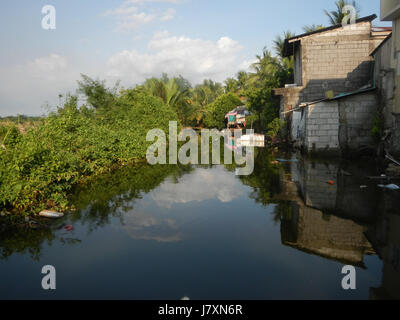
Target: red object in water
{"type": "Point", "coordinates": [69, 228]}
{"type": "Point", "coordinates": [331, 182]}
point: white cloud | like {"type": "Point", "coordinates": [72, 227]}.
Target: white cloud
{"type": "Point", "coordinates": [147, 225]}
{"type": "Point", "coordinates": [47, 67]}
{"type": "Point", "coordinates": [195, 59]}
{"type": "Point", "coordinates": [129, 17]}
{"type": "Point", "coordinates": [29, 86]}
{"type": "Point", "coordinates": [169, 14]}
{"type": "Point", "coordinates": [201, 185]}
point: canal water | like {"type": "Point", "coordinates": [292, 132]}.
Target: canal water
{"type": "Point", "coordinates": [168, 232]}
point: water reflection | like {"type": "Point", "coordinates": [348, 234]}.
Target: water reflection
{"type": "Point", "coordinates": [98, 202]}
{"type": "Point", "coordinates": [386, 240]}
{"type": "Point", "coordinates": [307, 224]}
{"type": "Point", "coordinates": [318, 210]}
{"type": "Point", "coordinates": [343, 221]}
{"type": "Point", "coordinates": [202, 184]}
{"type": "Point", "coordinates": [151, 226]}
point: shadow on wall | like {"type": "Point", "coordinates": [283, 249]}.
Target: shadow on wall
{"type": "Point", "coordinates": [316, 89]}
{"type": "Point", "coordinates": [361, 76]}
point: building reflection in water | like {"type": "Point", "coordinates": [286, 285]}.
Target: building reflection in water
{"type": "Point", "coordinates": [385, 236]}
{"type": "Point", "coordinates": [341, 221]}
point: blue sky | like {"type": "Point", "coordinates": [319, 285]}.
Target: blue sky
{"type": "Point", "coordinates": [130, 40]}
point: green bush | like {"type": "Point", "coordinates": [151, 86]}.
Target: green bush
{"type": "Point", "coordinates": [73, 144]}
{"type": "Point", "coordinates": [275, 128]}
{"type": "Point", "coordinates": [216, 111]}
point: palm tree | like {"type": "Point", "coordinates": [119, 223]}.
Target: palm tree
{"type": "Point", "coordinates": [231, 85]}
{"type": "Point", "coordinates": [337, 16]}
{"type": "Point", "coordinates": [279, 42]}
{"type": "Point", "coordinates": [242, 80]}
{"type": "Point", "coordinates": [167, 89]}
{"type": "Point", "coordinates": [265, 68]}
{"type": "Point", "coordinates": [201, 97]}
{"type": "Point", "coordinates": [312, 28]}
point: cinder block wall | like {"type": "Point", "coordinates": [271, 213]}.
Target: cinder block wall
{"type": "Point", "coordinates": [337, 60]}
{"type": "Point", "coordinates": [322, 127]}
{"type": "Point", "coordinates": [341, 126]}
{"type": "Point", "coordinates": [357, 114]}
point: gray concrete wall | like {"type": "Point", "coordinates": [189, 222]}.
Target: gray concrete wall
{"type": "Point", "coordinates": [298, 66]}
{"type": "Point", "coordinates": [322, 127]}
{"type": "Point", "coordinates": [338, 126]}
{"type": "Point", "coordinates": [385, 80]}
{"type": "Point", "coordinates": [357, 114]}
{"type": "Point", "coordinates": [337, 60]}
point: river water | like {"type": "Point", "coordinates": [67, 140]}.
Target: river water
{"type": "Point", "coordinates": [168, 232]}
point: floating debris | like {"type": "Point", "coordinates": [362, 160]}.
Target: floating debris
{"type": "Point", "coordinates": [331, 183]}
{"type": "Point", "coordinates": [69, 228]}
{"type": "Point", "coordinates": [363, 187]}
{"type": "Point", "coordinates": [51, 214]}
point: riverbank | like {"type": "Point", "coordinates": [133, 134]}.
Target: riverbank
{"type": "Point", "coordinates": [39, 169]}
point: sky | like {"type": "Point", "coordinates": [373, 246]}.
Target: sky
{"type": "Point", "coordinates": [131, 40]}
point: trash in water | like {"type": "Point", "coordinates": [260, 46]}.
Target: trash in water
{"type": "Point", "coordinates": [363, 187]}
{"type": "Point", "coordinates": [389, 186]}
{"type": "Point", "coordinates": [69, 228]}
{"type": "Point", "coordinates": [332, 183]}
{"type": "Point", "coordinates": [51, 214]}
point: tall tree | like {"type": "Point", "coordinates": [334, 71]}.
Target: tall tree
{"type": "Point", "coordinates": [175, 93]}
{"type": "Point", "coordinates": [231, 85]}
{"type": "Point", "coordinates": [279, 42]}
{"type": "Point", "coordinates": [242, 80]}
{"type": "Point", "coordinates": [201, 96]}
{"type": "Point", "coordinates": [96, 92]}
{"type": "Point", "coordinates": [337, 16]}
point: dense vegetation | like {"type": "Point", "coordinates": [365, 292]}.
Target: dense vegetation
{"type": "Point", "coordinates": [39, 168]}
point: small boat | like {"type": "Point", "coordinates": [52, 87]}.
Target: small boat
{"type": "Point", "coordinates": [51, 214]}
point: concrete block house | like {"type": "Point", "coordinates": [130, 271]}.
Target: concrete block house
{"type": "Point", "coordinates": [332, 105]}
